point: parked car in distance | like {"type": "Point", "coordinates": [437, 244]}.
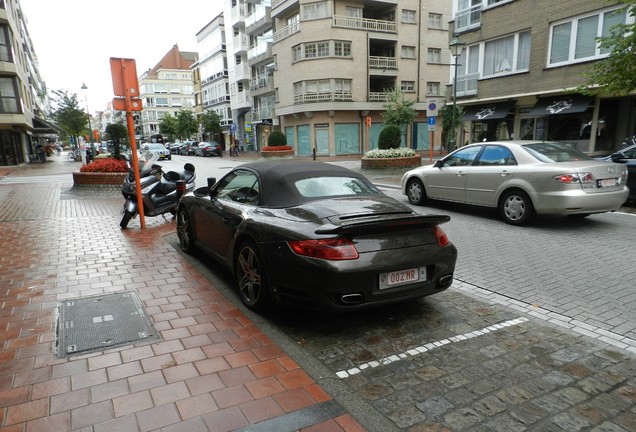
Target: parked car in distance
{"type": "Point", "coordinates": [188, 148]}
{"type": "Point", "coordinates": [208, 148]}
{"type": "Point", "coordinates": [315, 235]}
{"type": "Point", "coordinates": [157, 149]}
{"type": "Point", "coordinates": [174, 147]}
{"type": "Point", "coordinates": [627, 157]}
{"type": "Point", "coordinates": [521, 179]}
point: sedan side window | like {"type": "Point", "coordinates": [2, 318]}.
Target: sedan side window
{"type": "Point", "coordinates": [241, 187]}
{"type": "Point", "coordinates": [496, 155]}
{"type": "Point", "coordinates": [462, 157]}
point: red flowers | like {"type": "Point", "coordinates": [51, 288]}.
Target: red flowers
{"type": "Point", "coordinates": [105, 165]}
{"type": "Point", "coordinates": [277, 148]}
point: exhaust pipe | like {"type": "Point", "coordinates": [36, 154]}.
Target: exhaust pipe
{"type": "Point", "coordinates": [352, 299]}
{"type": "Point", "coordinates": [445, 281]}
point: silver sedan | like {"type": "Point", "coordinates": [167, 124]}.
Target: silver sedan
{"type": "Point", "coordinates": [521, 179]}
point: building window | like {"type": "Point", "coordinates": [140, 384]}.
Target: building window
{"type": "Point", "coordinates": [5, 45]}
{"type": "Point", "coordinates": [323, 49]}
{"type": "Point", "coordinates": [507, 55]}
{"type": "Point", "coordinates": [407, 86]}
{"type": "Point", "coordinates": [9, 100]}
{"type": "Point", "coordinates": [435, 21]}
{"type": "Point", "coordinates": [468, 14]}
{"type": "Point", "coordinates": [342, 49]}
{"type": "Point", "coordinates": [434, 56]}
{"type": "Point", "coordinates": [314, 10]}
{"type": "Point", "coordinates": [408, 52]}
{"type": "Point", "coordinates": [310, 50]}
{"type": "Point", "coordinates": [409, 16]}
{"type": "Point", "coordinates": [575, 40]}
{"type": "Point", "coordinates": [432, 89]}
{"type": "Point", "coordinates": [297, 53]}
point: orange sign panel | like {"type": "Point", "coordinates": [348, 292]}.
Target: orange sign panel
{"type": "Point", "coordinates": [124, 73]}
{"type": "Point", "coordinates": [120, 104]}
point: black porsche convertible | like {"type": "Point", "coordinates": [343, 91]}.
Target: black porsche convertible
{"type": "Point", "coordinates": [315, 235]}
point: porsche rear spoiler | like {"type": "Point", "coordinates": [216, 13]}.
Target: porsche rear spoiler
{"type": "Point", "coordinates": [356, 227]}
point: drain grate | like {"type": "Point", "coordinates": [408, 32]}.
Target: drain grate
{"type": "Point", "coordinates": [97, 323]}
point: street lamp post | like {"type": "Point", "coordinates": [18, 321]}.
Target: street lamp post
{"type": "Point", "coordinates": [90, 127]}
{"type": "Point", "coordinates": [456, 46]}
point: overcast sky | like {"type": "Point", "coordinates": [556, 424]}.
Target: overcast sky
{"type": "Point", "coordinates": [75, 39]}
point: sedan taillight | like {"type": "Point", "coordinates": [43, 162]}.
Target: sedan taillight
{"type": "Point", "coordinates": [575, 178]}
{"type": "Point", "coordinates": [442, 238]}
{"type": "Point", "coordinates": [328, 249]}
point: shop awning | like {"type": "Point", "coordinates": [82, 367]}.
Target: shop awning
{"type": "Point", "coordinates": [562, 104]}
{"type": "Point", "coordinates": [491, 111]}
{"type": "Point", "coordinates": [41, 126]}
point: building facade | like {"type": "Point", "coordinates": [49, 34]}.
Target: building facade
{"type": "Point", "coordinates": [165, 89]}
{"type": "Point", "coordinates": [24, 103]}
{"type": "Point", "coordinates": [336, 63]}
{"type": "Point", "coordinates": [521, 66]}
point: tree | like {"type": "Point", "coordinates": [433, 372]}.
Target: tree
{"type": "Point", "coordinates": [168, 126]}
{"type": "Point", "coordinates": [187, 124]}
{"type": "Point", "coordinates": [390, 137]}
{"type": "Point", "coordinates": [451, 120]}
{"type": "Point", "coordinates": [118, 133]}
{"type": "Point", "coordinates": [210, 123]}
{"type": "Point", "coordinates": [399, 110]}
{"type": "Point", "coordinates": [67, 114]}
{"type": "Point", "coordinates": [616, 73]}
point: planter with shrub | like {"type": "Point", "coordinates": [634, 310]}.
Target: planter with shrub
{"type": "Point", "coordinates": [389, 154]}
{"type": "Point", "coordinates": [277, 146]}
{"type": "Point", "coordinates": [101, 172]}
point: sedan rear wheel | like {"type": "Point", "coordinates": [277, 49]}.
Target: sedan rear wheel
{"type": "Point", "coordinates": [184, 231]}
{"type": "Point", "coordinates": [249, 273]}
{"type": "Point", "coordinates": [415, 191]}
{"type": "Point", "coordinates": [516, 207]}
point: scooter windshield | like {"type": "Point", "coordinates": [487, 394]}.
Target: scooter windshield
{"type": "Point", "coordinates": [146, 162]}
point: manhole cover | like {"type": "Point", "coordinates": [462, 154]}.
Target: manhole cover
{"type": "Point", "coordinates": [97, 323]}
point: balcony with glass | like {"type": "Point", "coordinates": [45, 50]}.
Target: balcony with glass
{"type": "Point", "coordinates": [241, 72]}
{"type": "Point", "coordinates": [266, 112]}
{"type": "Point", "coordinates": [261, 84]}
{"type": "Point", "coordinates": [286, 32]}
{"type": "Point", "coordinates": [237, 15]}
{"type": "Point", "coordinates": [240, 44]}
{"type": "Point", "coordinates": [260, 52]}
{"type": "Point", "coordinates": [260, 18]}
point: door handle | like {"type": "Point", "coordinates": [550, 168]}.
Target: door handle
{"type": "Point", "coordinates": [461, 174]}
{"type": "Point", "coordinates": [505, 173]}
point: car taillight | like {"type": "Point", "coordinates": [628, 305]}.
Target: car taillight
{"type": "Point", "coordinates": [575, 178]}
{"type": "Point", "coordinates": [442, 238]}
{"type": "Point", "coordinates": [328, 249]}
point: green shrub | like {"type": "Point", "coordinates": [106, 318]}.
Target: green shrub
{"type": "Point", "coordinates": [390, 137]}
{"type": "Point", "coordinates": [276, 139]}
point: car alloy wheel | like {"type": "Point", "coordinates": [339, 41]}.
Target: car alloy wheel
{"type": "Point", "coordinates": [516, 207]}
{"type": "Point", "coordinates": [184, 231]}
{"type": "Point", "coordinates": [415, 191]}
{"type": "Point", "coordinates": [250, 277]}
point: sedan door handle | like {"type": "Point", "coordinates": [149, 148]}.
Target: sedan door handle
{"type": "Point", "coordinates": [460, 174]}
{"type": "Point", "coordinates": [505, 173]}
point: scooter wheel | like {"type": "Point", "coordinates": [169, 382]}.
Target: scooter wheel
{"type": "Point", "coordinates": [125, 219]}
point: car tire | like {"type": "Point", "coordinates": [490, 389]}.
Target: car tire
{"type": "Point", "coordinates": [515, 207]}
{"type": "Point", "coordinates": [415, 191]}
{"type": "Point", "coordinates": [184, 231]}
{"type": "Point", "coordinates": [250, 277]}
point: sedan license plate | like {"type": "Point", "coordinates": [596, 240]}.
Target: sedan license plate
{"type": "Point", "coordinates": [603, 183]}
{"type": "Point", "coordinates": [402, 277]}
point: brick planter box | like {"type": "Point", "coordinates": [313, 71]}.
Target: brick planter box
{"type": "Point", "coordinates": [407, 162]}
{"type": "Point", "coordinates": [277, 154]}
{"type": "Point", "coordinates": [98, 178]}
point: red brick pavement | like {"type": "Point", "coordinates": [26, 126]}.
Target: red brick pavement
{"type": "Point", "coordinates": [212, 370]}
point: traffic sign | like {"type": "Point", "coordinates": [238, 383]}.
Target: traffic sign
{"type": "Point", "coordinates": [431, 109]}
{"type": "Point", "coordinates": [233, 128]}
{"type": "Point", "coordinates": [431, 121]}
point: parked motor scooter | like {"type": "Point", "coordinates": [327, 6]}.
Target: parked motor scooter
{"type": "Point", "coordinates": [158, 189]}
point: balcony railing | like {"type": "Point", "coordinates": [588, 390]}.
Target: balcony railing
{"type": "Point", "coordinates": [263, 113]}
{"type": "Point", "coordinates": [259, 17]}
{"type": "Point", "coordinates": [377, 62]}
{"type": "Point", "coordinates": [336, 96]}
{"type": "Point", "coordinates": [364, 24]}
{"type": "Point", "coordinates": [379, 96]}
{"type": "Point", "coordinates": [260, 51]}
{"type": "Point", "coordinates": [260, 81]}
{"type": "Point", "coordinates": [286, 32]}
{"type": "Point", "coordinates": [467, 84]}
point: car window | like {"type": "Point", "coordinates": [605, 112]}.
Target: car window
{"type": "Point", "coordinates": [318, 187]}
{"type": "Point", "coordinates": [462, 157]}
{"type": "Point", "coordinates": [240, 186]}
{"type": "Point", "coordinates": [496, 155]}
{"type": "Point", "coordinates": [549, 152]}
{"type": "Point", "coordinates": [631, 153]}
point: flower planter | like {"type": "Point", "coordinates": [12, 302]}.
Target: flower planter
{"type": "Point", "coordinates": [98, 178]}
{"type": "Point", "coordinates": [407, 162]}
{"type": "Point", "coordinates": [272, 154]}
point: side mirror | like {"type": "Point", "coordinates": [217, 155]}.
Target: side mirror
{"type": "Point", "coordinates": [616, 157]}
{"type": "Point", "coordinates": [438, 163]}
{"type": "Point", "coordinates": [211, 183]}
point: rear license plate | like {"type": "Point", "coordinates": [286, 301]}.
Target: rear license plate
{"type": "Point", "coordinates": [402, 277]}
{"type": "Point", "coordinates": [603, 183]}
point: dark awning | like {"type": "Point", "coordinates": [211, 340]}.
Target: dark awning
{"type": "Point", "coordinates": [562, 104]}
{"type": "Point", "coordinates": [41, 126]}
{"type": "Point", "coordinates": [491, 111]}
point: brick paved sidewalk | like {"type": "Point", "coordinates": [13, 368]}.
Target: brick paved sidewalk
{"type": "Point", "coordinates": [212, 370]}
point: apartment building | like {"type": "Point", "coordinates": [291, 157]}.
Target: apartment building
{"type": "Point", "coordinates": [211, 74]}
{"type": "Point", "coordinates": [24, 103]}
{"type": "Point", "coordinates": [167, 88]}
{"type": "Point", "coordinates": [336, 62]}
{"type": "Point", "coordinates": [521, 65]}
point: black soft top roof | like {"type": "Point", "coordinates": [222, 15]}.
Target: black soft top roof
{"type": "Point", "coordinates": [278, 177]}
